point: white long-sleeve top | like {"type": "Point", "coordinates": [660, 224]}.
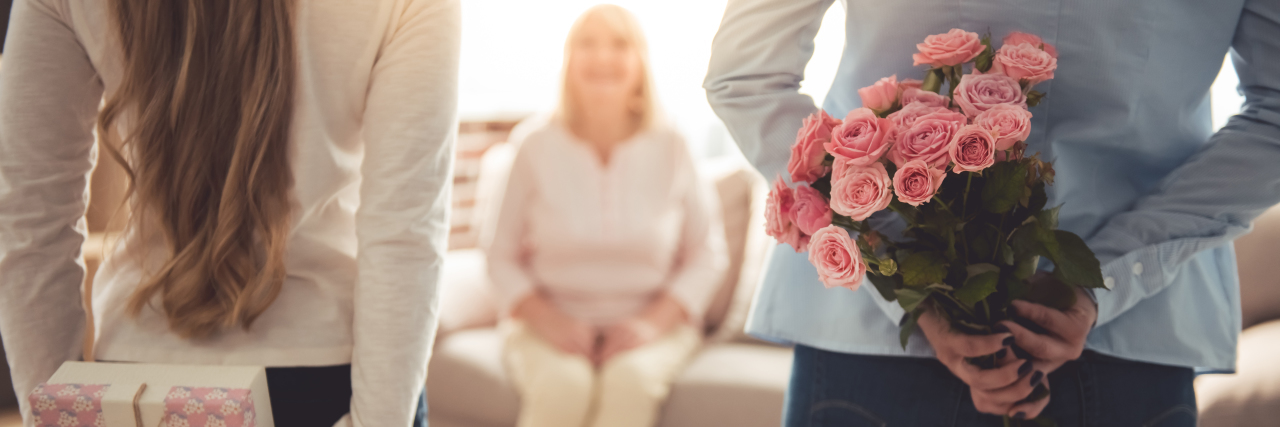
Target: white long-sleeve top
{"type": "Point", "coordinates": [372, 148]}
{"type": "Point", "coordinates": [601, 240]}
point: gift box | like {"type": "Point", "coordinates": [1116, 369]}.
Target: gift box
{"type": "Point", "coordinates": [151, 395]}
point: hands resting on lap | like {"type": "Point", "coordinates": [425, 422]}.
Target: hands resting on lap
{"type": "Point", "coordinates": [1004, 389]}
{"type": "Point", "coordinates": [599, 345]}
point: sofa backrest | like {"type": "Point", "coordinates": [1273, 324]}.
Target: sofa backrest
{"type": "Point", "coordinates": [1259, 271]}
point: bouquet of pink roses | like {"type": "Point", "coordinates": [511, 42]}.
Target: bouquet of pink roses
{"type": "Point", "coordinates": [951, 165]}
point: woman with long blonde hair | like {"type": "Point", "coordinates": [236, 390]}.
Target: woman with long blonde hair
{"type": "Point", "coordinates": [289, 166]}
{"type": "Point", "coordinates": [608, 247]}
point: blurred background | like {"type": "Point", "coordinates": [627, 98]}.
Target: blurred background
{"type": "Point", "coordinates": [511, 61]}
{"type": "Point", "coordinates": [512, 55]}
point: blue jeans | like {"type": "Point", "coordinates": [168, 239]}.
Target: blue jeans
{"type": "Point", "coordinates": [318, 396]}
{"type": "Point", "coordinates": [852, 390]}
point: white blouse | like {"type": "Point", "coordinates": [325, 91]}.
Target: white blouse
{"type": "Point", "coordinates": [372, 149]}
{"type": "Point", "coordinates": [602, 240]}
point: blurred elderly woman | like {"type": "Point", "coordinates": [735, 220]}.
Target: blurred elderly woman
{"type": "Point", "coordinates": [608, 246]}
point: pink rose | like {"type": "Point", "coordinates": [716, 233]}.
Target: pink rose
{"type": "Point", "coordinates": [905, 84]}
{"type": "Point", "coordinates": [862, 138]}
{"type": "Point", "coordinates": [1025, 62]}
{"type": "Point", "coordinates": [927, 139]}
{"type": "Point", "coordinates": [861, 191]}
{"type": "Point", "coordinates": [914, 95]}
{"type": "Point", "coordinates": [1009, 123]}
{"type": "Point", "coordinates": [837, 258]}
{"type": "Point", "coordinates": [881, 95]}
{"type": "Point", "coordinates": [807, 153]}
{"type": "Point", "coordinates": [916, 182]}
{"type": "Point", "coordinates": [979, 92]}
{"type": "Point", "coordinates": [907, 116]}
{"type": "Point", "coordinates": [1018, 37]}
{"type": "Point", "coordinates": [811, 211]}
{"type": "Point", "coordinates": [972, 150]}
{"type": "Point", "coordinates": [952, 48]}
{"type": "Point", "coordinates": [778, 216]}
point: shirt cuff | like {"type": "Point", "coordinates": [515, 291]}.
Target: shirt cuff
{"type": "Point", "coordinates": [1129, 280]}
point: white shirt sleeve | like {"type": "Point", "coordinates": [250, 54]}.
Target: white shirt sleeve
{"type": "Point", "coordinates": [49, 96]}
{"type": "Point", "coordinates": [402, 225]}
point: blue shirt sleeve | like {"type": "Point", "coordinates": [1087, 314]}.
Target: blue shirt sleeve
{"type": "Point", "coordinates": [753, 81]}
{"type": "Point", "coordinates": [1213, 197]}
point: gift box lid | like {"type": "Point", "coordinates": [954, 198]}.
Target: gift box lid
{"type": "Point", "coordinates": [230, 392]}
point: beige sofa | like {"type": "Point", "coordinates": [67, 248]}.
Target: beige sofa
{"type": "Point", "coordinates": [1251, 397]}
{"type": "Point", "coordinates": [733, 381]}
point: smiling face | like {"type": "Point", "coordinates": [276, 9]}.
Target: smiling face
{"type": "Point", "coordinates": [603, 64]}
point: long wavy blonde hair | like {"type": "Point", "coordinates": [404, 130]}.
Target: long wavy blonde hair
{"type": "Point", "coordinates": [644, 104]}
{"type": "Point", "coordinates": [207, 97]}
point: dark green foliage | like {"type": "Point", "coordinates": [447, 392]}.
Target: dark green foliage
{"type": "Point", "coordinates": [1005, 185]}
{"type": "Point", "coordinates": [970, 251]}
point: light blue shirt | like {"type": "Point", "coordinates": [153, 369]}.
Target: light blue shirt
{"type": "Point", "coordinates": [1156, 194]}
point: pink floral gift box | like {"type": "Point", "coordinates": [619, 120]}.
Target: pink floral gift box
{"type": "Point", "coordinates": [135, 394]}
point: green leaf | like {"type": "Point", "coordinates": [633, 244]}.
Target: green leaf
{"type": "Point", "coordinates": [976, 269]}
{"type": "Point", "coordinates": [1039, 197]}
{"type": "Point", "coordinates": [932, 81]}
{"type": "Point", "coordinates": [909, 298]}
{"type": "Point", "coordinates": [1034, 97]}
{"type": "Point", "coordinates": [1050, 293]}
{"type": "Point", "coordinates": [978, 287]}
{"type": "Point", "coordinates": [1075, 263]}
{"type": "Point", "coordinates": [885, 285]}
{"type": "Point", "coordinates": [923, 268]}
{"type": "Point", "coordinates": [908, 327]}
{"type": "Point", "coordinates": [888, 267]}
{"type": "Point", "coordinates": [1049, 217]}
{"type": "Point", "coordinates": [983, 61]}
{"type": "Point", "coordinates": [1006, 254]}
{"type": "Point", "coordinates": [1017, 288]}
{"type": "Point", "coordinates": [1004, 186]}
{"type": "Point", "coordinates": [1026, 266]}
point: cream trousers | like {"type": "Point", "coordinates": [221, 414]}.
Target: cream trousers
{"type": "Point", "coordinates": [563, 390]}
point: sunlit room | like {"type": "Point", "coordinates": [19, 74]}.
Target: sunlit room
{"type": "Point", "coordinates": [502, 213]}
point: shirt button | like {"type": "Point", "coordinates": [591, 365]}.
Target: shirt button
{"type": "Point", "coordinates": [1137, 269]}
{"type": "Point", "coordinates": [1109, 282]}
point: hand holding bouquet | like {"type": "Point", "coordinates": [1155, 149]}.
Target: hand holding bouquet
{"type": "Point", "coordinates": [953, 167]}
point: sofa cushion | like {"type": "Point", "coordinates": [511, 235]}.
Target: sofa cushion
{"type": "Point", "coordinates": [730, 384]}
{"type": "Point", "coordinates": [466, 380]}
{"type": "Point", "coordinates": [734, 185]}
{"type": "Point", "coordinates": [1259, 273]}
{"type": "Point", "coordinates": [754, 250]}
{"type": "Point", "coordinates": [466, 299]}
{"type": "Point", "coordinates": [724, 384]}
{"type": "Point", "coordinates": [1250, 397]}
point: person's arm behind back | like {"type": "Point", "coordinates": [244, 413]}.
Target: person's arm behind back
{"type": "Point", "coordinates": [753, 81]}
{"type": "Point", "coordinates": [402, 225]}
{"type": "Point", "coordinates": [1213, 197]}
{"type": "Point", "coordinates": [49, 95]}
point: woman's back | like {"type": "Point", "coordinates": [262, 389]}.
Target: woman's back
{"type": "Point", "coordinates": [370, 147]}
